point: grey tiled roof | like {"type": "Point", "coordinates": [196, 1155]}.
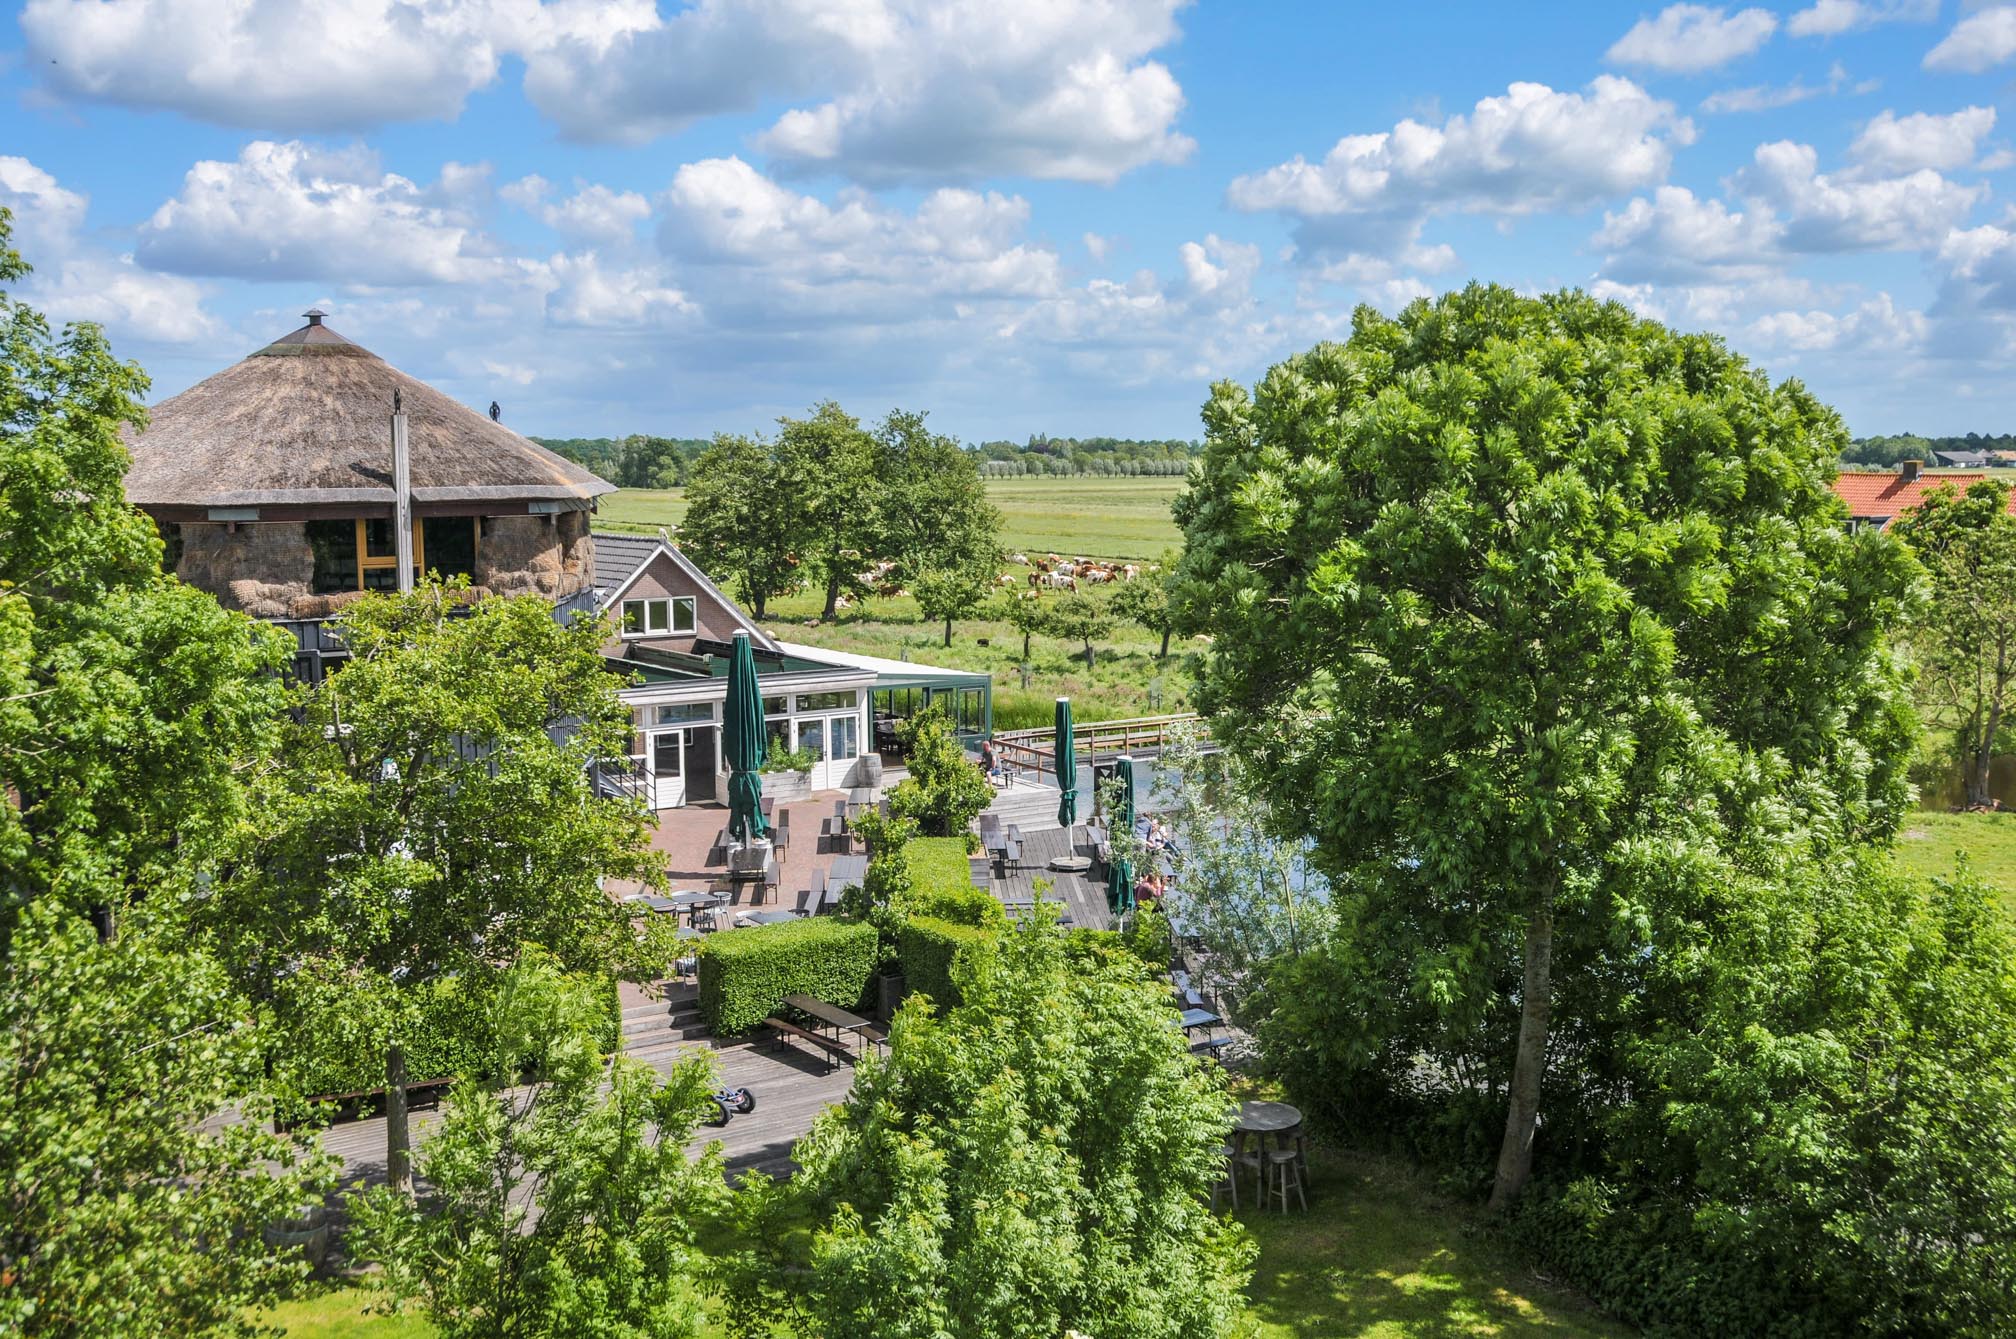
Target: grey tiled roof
{"type": "Point", "coordinates": [617, 558]}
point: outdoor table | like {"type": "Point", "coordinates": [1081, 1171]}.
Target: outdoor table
{"type": "Point", "coordinates": [653, 901]}
{"type": "Point", "coordinates": [845, 870]}
{"type": "Point", "coordinates": [859, 799]}
{"type": "Point", "coordinates": [1259, 1120]}
{"type": "Point", "coordinates": [831, 1015]}
{"type": "Point", "coordinates": [767, 917]}
{"type": "Point", "coordinates": [1204, 1018]}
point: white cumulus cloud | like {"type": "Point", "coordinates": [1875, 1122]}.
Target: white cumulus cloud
{"type": "Point", "coordinates": [270, 64]}
{"type": "Point", "coordinates": [75, 280]}
{"type": "Point", "coordinates": [1893, 143]}
{"type": "Point", "coordinates": [1531, 150]}
{"type": "Point", "coordinates": [1850, 211]}
{"type": "Point", "coordinates": [1676, 235]}
{"type": "Point", "coordinates": [1978, 42]}
{"type": "Point", "coordinates": [1686, 39]}
{"type": "Point", "coordinates": [292, 211]}
{"type": "Point", "coordinates": [1831, 18]}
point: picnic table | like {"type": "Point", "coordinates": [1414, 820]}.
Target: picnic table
{"type": "Point", "coordinates": [824, 1016]}
{"type": "Point", "coordinates": [859, 800]}
{"type": "Point", "coordinates": [827, 884]}
{"type": "Point", "coordinates": [1204, 1018]}
{"type": "Point", "coordinates": [651, 901]}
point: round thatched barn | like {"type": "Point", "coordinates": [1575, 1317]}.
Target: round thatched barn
{"type": "Point", "coordinates": [272, 482]}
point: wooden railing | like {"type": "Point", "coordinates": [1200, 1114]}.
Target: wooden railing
{"type": "Point", "coordinates": [1034, 752]}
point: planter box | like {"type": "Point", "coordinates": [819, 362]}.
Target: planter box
{"type": "Point", "coordinates": [788, 787]}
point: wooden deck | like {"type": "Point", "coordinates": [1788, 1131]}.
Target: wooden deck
{"type": "Point", "coordinates": [791, 1086]}
{"type": "Point", "coordinates": [1084, 895]}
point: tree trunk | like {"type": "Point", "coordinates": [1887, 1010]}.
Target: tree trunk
{"type": "Point", "coordinates": [1025, 643]}
{"type": "Point", "coordinates": [948, 632]}
{"type": "Point", "coordinates": [1165, 644]}
{"type": "Point", "coordinates": [1088, 656]}
{"type": "Point", "coordinates": [1981, 764]}
{"type": "Point", "coordinates": [1515, 1154]}
{"type": "Point", "coordinates": [759, 602]}
{"type": "Point", "coordinates": [832, 610]}
{"type": "Point", "coordinates": [398, 1137]}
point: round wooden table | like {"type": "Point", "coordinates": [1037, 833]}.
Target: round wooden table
{"type": "Point", "coordinates": [1265, 1118]}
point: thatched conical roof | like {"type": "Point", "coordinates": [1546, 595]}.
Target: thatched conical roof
{"type": "Point", "coordinates": [306, 421]}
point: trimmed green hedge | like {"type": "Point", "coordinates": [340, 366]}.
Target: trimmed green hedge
{"type": "Point", "coordinates": [449, 1040]}
{"type": "Point", "coordinates": [927, 948]}
{"type": "Point", "coordinates": [938, 864]}
{"type": "Point", "coordinates": [961, 906]}
{"type": "Point", "coordinates": [745, 974]}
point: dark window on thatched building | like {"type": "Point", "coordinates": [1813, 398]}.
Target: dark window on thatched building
{"type": "Point", "coordinates": [450, 545]}
{"type": "Point", "coordinates": [335, 546]}
{"type": "Point", "coordinates": [171, 545]}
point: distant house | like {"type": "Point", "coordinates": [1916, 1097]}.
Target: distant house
{"type": "Point", "coordinates": [672, 632]}
{"type": "Point", "coordinates": [1962, 460]}
{"type": "Point", "coordinates": [1878, 498]}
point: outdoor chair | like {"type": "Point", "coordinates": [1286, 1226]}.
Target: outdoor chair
{"type": "Point", "coordinates": [1229, 1183]}
{"type": "Point", "coordinates": [1284, 1173]}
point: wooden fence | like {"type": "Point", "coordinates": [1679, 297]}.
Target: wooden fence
{"type": "Point", "coordinates": [1033, 753]}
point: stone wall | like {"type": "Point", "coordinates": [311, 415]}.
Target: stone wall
{"type": "Point", "coordinates": [543, 555]}
{"type": "Point", "coordinates": [267, 569]}
{"type": "Point", "coordinates": [264, 569]}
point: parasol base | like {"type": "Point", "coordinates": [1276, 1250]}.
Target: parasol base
{"type": "Point", "coordinates": [1071, 864]}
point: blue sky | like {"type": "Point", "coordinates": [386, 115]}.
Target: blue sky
{"type": "Point", "coordinates": [1060, 215]}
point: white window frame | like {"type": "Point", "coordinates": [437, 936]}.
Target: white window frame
{"type": "Point", "coordinates": [670, 607]}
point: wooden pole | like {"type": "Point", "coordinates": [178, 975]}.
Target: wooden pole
{"type": "Point", "coordinates": [402, 495]}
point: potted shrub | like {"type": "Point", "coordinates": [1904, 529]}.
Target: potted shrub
{"type": "Point", "coordinates": [787, 775]}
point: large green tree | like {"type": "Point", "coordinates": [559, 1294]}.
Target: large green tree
{"type": "Point", "coordinates": [564, 1209]}
{"type": "Point", "coordinates": [134, 1175]}
{"type": "Point", "coordinates": [743, 513]}
{"type": "Point", "coordinates": [830, 459]}
{"type": "Point", "coordinates": [431, 817]}
{"type": "Point", "coordinates": [1512, 598]}
{"type": "Point", "coordinates": [1036, 1162]}
{"type": "Point", "coordinates": [1964, 640]}
{"type": "Point", "coordinates": [931, 508]}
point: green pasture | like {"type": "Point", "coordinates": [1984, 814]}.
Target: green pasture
{"type": "Point", "coordinates": [1932, 843]}
{"type": "Point", "coordinates": [1090, 517]}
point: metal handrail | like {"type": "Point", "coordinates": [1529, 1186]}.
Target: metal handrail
{"type": "Point", "coordinates": [1035, 751]}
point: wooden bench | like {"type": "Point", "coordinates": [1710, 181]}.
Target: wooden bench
{"type": "Point", "coordinates": [419, 1096]}
{"type": "Point", "coordinates": [835, 1050]}
{"type": "Point", "coordinates": [1213, 1047]}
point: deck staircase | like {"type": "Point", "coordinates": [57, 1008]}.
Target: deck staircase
{"type": "Point", "coordinates": [1031, 807]}
{"type": "Point", "coordinates": [660, 1030]}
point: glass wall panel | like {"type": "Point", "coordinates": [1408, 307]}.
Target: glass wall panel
{"type": "Point", "coordinates": [335, 547]}
{"type": "Point", "coordinates": [812, 735]}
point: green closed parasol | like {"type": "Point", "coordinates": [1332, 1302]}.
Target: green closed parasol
{"type": "Point", "coordinates": [743, 742]}
{"type": "Point", "coordinates": [1119, 872]}
{"type": "Point", "coordinates": [1067, 767]}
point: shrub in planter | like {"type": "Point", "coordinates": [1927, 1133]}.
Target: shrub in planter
{"type": "Point", "coordinates": [927, 948]}
{"type": "Point", "coordinates": [745, 974]}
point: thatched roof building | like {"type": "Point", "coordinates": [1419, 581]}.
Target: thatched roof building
{"type": "Point", "coordinates": [302, 423]}
{"type": "Point", "coordinates": [272, 483]}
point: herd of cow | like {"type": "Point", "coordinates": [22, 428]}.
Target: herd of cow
{"type": "Point", "coordinates": [1047, 572]}
{"type": "Point", "coordinates": [1050, 572]}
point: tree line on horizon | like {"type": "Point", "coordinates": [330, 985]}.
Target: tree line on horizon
{"type": "Point", "coordinates": [1886, 452]}
{"type": "Point", "coordinates": [642, 460]}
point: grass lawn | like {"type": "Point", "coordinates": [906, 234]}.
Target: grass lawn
{"type": "Point", "coordinates": [1930, 843]}
{"type": "Point", "coordinates": [1380, 1255]}
{"type": "Point", "coordinates": [1091, 518]}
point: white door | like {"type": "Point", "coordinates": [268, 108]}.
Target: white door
{"type": "Point", "coordinates": [668, 778]}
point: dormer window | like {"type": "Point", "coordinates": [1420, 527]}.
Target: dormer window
{"type": "Point", "coordinates": [662, 617]}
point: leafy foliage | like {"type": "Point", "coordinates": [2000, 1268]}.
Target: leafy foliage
{"type": "Point", "coordinates": [567, 1210]}
{"type": "Point", "coordinates": [1523, 608]}
{"type": "Point", "coordinates": [927, 947]}
{"type": "Point", "coordinates": [1145, 600]}
{"type": "Point", "coordinates": [1076, 617]}
{"type": "Point", "coordinates": [745, 974]}
{"type": "Point", "coordinates": [130, 708]}
{"type": "Point", "coordinates": [432, 818]}
{"type": "Point", "coordinates": [948, 593]}
{"type": "Point", "coordinates": [1035, 1161]}
{"type": "Point", "coordinates": [123, 1210]}
{"type": "Point", "coordinates": [945, 789]}
{"type": "Point", "coordinates": [1965, 639]}
{"type": "Point", "coordinates": [742, 520]}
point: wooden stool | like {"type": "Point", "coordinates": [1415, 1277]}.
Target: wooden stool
{"type": "Point", "coordinates": [1284, 1172]}
{"type": "Point", "coordinates": [1230, 1181]}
